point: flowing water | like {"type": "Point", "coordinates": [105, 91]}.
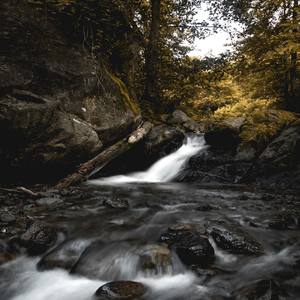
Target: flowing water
{"type": "Point", "coordinates": [118, 238]}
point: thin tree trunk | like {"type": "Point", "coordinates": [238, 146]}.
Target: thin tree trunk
{"type": "Point", "coordinates": [294, 57]}
{"type": "Point", "coordinates": [151, 93]}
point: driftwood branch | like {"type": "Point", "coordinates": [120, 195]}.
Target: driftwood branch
{"type": "Point", "coordinates": [23, 191]}
{"type": "Point", "coordinates": [92, 166]}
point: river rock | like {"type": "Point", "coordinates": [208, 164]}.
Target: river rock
{"type": "Point", "coordinates": [155, 258]}
{"type": "Point", "coordinates": [38, 238]}
{"type": "Point", "coordinates": [64, 256]}
{"type": "Point", "coordinates": [7, 217]}
{"type": "Point", "coordinates": [191, 247]}
{"type": "Point", "coordinates": [116, 203]}
{"type": "Point", "coordinates": [236, 241]}
{"type": "Point", "coordinates": [266, 289]}
{"type": "Point", "coordinates": [49, 201]}
{"type": "Point", "coordinates": [121, 290]}
{"type": "Point", "coordinates": [5, 253]}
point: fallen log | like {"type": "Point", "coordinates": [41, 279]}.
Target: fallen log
{"type": "Point", "coordinates": [92, 166]}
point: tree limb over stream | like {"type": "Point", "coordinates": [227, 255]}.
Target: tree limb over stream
{"type": "Point", "coordinates": [92, 166]}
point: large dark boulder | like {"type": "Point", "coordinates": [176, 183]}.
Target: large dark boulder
{"type": "Point", "coordinates": [58, 104]}
{"type": "Point", "coordinates": [121, 290]}
{"type": "Point", "coordinates": [191, 246]}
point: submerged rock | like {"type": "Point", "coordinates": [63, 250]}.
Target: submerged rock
{"type": "Point", "coordinates": [116, 203]}
{"type": "Point", "coordinates": [121, 290]}
{"type": "Point", "coordinates": [155, 258]}
{"type": "Point", "coordinates": [236, 241]}
{"type": "Point", "coordinates": [64, 256]}
{"type": "Point", "coordinates": [38, 238]}
{"type": "Point", "coordinates": [5, 253]}
{"type": "Point", "coordinates": [191, 247]}
{"type": "Point", "coordinates": [266, 289]}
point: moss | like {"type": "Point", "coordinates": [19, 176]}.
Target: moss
{"type": "Point", "coordinates": [128, 101]}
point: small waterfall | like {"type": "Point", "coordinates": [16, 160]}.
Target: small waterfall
{"type": "Point", "coordinates": [164, 170]}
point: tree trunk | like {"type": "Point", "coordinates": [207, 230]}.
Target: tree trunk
{"type": "Point", "coordinates": [151, 93]}
{"type": "Point", "coordinates": [101, 160]}
{"type": "Point", "coordinates": [294, 58]}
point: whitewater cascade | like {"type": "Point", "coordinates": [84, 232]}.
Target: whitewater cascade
{"type": "Point", "coordinates": [164, 170]}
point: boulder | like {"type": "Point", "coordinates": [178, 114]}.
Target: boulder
{"type": "Point", "coordinates": [180, 119]}
{"type": "Point", "coordinates": [191, 246]}
{"type": "Point", "coordinates": [121, 290]}
{"type": "Point", "coordinates": [281, 154]}
{"type": "Point", "coordinates": [162, 140]}
{"type": "Point", "coordinates": [236, 241]}
{"type": "Point", "coordinates": [38, 238]}
{"type": "Point", "coordinates": [58, 105]}
{"type": "Point", "coordinates": [63, 256]}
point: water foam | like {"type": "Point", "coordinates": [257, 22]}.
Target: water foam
{"type": "Point", "coordinates": [165, 169]}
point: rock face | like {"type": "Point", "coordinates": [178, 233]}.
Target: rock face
{"type": "Point", "coordinates": [191, 247]}
{"type": "Point", "coordinates": [58, 105]}
{"type": "Point", "coordinates": [281, 155]}
{"type": "Point", "coordinates": [121, 290]}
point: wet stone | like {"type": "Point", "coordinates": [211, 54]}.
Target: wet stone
{"type": "Point", "coordinates": [116, 203]}
{"type": "Point", "coordinates": [65, 256]}
{"type": "Point", "coordinates": [261, 290]}
{"type": "Point", "coordinates": [5, 253]}
{"type": "Point", "coordinates": [205, 207]}
{"type": "Point", "coordinates": [49, 201]}
{"type": "Point", "coordinates": [191, 247]}
{"type": "Point", "coordinates": [38, 238]}
{"type": "Point", "coordinates": [236, 241]}
{"type": "Point", "coordinates": [121, 290]}
{"type": "Point", "coordinates": [284, 221]}
{"type": "Point", "coordinates": [155, 258]}
{"type": "Point", "coordinates": [7, 217]}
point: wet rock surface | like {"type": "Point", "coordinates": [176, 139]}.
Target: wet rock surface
{"type": "Point", "coordinates": [191, 247]}
{"type": "Point", "coordinates": [195, 258]}
{"type": "Point", "coordinates": [118, 290]}
{"type": "Point", "coordinates": [38, 238]}
{"type": "Point", "coordinates": [262, 290]}
{"type": "Point", "coordinates": [58, 105]}
{"type": "Point", "coordinates": [236, 241]}
{"type": "Point", "coordinates": [64, 256]}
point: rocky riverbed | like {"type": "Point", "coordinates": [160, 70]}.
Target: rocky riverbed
{"type": "Point", "coordinates": [151, 241]}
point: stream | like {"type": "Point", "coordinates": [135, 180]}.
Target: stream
{"type": "Point", "coordinates": [119, 228]}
